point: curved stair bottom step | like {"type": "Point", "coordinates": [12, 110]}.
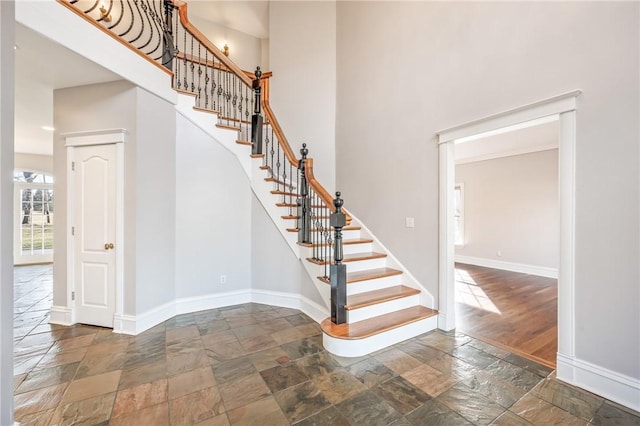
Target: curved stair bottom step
{"type": "Point", "coordinates": [350, 348]}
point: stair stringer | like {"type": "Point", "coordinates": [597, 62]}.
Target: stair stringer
{"type": "Point", "coordinates": [426, 298]}
{"type": "Point", "coordinates": [262, 190]}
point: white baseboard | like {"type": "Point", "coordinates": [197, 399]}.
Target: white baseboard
{"type": "Point", "coordinates": [124, 324]}
{"type": "Point", "coordinates": [523, 268]}
{"type": "Point", "coordinates": [212, 301]}
{"type": "Point", "coordinates": [135, 324]}
{"type": "Point", "coordinates": [614, 386]}
{"type": "Point", "coordinates": [61, 315]}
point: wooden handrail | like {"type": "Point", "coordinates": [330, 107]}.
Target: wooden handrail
{"type": "Point", "coordinates": [182, 10]}
{"type": "Point", "coordinates": [322, 192]}
{"type": "Point", "coordinates": [280, 134]}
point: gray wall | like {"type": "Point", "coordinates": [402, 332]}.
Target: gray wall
{"type": "Point", "coordinates": [511, 206]}
{"type": "Point", "coordinates": [149, 185]}
{"type": "Point", "coordinates": [85, 108]}
{"type": "Point", "coordinates": [273, 263]}
{"type": "Point", "coordinates": [244, 49]}
{"type": "Point", "coordinates": [213, 216]}
{"type": "Point", "coordinates": [302, 56]}
{"type": "Point", "coordinates": [155, 201]}
{"type": "Point", "coordinates": [409, 69]}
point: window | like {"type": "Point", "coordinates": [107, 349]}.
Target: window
{"type": "Point", "coordinates": [459, 213]}
{"type": "Point", "coordinates": [34, 217]}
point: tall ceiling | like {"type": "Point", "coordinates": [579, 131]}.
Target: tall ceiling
{"type": "Point", "coordinates": [249, 17]}
{"type": "Point", "coordinates": [41, 67]}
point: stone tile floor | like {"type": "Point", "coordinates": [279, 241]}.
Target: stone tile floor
{"type": "Point", "coordinates": [265, 365]}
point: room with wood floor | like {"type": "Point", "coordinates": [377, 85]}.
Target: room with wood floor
{"type": "Point", "coordinates": [507, 238]}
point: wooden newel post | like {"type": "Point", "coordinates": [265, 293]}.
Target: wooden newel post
{"type": "Point", "coordinates": [256, 119]}
{"type": "Point", "coordinates": [338, 271]}
{"type": "Point", "coordinates": [304, 203]}
{"type": "Point", "coordinates": [168, 48]}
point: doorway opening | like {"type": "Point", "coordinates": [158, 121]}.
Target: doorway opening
{"type": "Point", "coordinates": [564, 107]}
{"type": "Point", "coordinates": [506, 238]}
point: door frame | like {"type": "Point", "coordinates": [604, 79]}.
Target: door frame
{"type": "Point", "coordinates": [565, 106]}
{"type": "Point", "coordinates": [118, 138]}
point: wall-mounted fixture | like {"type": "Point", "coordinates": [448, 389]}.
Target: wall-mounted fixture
{"type": "Point", "coordinates": [104, 14]}
{"type": "Point", "coordinates": [225, 49]}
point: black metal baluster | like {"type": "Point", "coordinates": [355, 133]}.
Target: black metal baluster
{"type": "Point", "coordinates": [199, 97]}
{"type": "Point", "coordinates": [192, 66]}
{"type": "Point", "coordinates": [256, 118]}
{"type": "Point", "coordinates": [206, 78]}
{"type": "Point", "coordinates": [338, 271]}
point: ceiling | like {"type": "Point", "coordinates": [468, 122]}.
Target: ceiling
{"type": "Point", "coordinates": [41, 67]}
{"type": "Point", "coordinates": [537, 135]}
{"type": "Point", "coordinates": [249, 17]}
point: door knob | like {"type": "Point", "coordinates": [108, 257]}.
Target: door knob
{"type": "Point", "coordinates": [108, 246]}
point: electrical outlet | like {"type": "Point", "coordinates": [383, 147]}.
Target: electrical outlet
{"type": "Point", "coordinates": [409, 222]}
{"type": "Point", "coordinates": [223, 279]}
{"type": "Point", "coordinates": [499, 253]}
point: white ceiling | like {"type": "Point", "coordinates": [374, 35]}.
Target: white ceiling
{"type": "Point", "coordinates": [250, 17]}
{"type": "Point", "coordinates": [530, 137]}
{"type": "Point", "coordinates": [41, 67]}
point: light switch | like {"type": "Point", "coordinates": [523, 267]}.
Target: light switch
{"type": "Point", "coordinates": [409, 222]}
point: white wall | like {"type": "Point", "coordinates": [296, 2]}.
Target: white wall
{"type": "Point", "coordinates": [244, 49]}
{"type": "Point", "coordinates": [409, 69]}
{"type": "Point", "coordinates": [155, 201]}
{"type": "Point", "coordinates": [41, 163]}
{"type": "Point", "coordinates": [302, 56]}
{"type": "Point", "coordinates": [213, 216]}
{"type": "Point", "coordinates": [7, 62]}
{"type": "Point", "coordinates": [511, 206]}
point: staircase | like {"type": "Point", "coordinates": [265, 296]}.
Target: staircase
{"type": "Point", "coordinates": [385, 304]}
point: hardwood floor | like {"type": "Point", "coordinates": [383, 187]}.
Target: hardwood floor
{"type": "Point", "coordinates": [516, 311]}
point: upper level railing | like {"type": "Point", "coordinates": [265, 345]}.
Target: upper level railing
{"type": "Point", "coordinates": [160, 31]}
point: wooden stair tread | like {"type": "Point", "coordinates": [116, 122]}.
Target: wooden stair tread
{"type": "Point", "coordinates": [228, 127]}
{"type": "Point", "coordinates": [350, 241]}
{"type": "Point", "coordinates": [367, 274]}
{"type": "Point", "coordinates": [376, 325]}
{"type": "Point", "coordinates": [346, 228]}
{"type": "Point", "coordinates": [239, 142]}
{"type": "Point", "coordinates": [374, 297]}
{"type": "Point", "coordinates": [207, 110]}
{"type": "Point", "coordinates": [280, 192]}
{"type": "Point", "coordinates": [354, 257]}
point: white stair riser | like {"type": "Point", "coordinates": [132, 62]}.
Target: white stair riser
{"type": "Point", "coordinates": [362, 265]}
{"type": "Point", "coordinates": [357, 248]}
{"type": "Point", "coordinates": [378, 309]}
{"type": "Point", "coordinates": [370, 285]}
{"type": "Point", "coordinates": [360, 347]}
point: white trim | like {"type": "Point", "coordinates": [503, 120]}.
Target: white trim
{"type": "Point", "coordinates": [212, 301]}
{"type": "Point", "coordinates": [510, 153]}
{"type": "Point", "coordinates": [95, 137]}
{"type": "Point", "coordinates": [132, 324]}
{"type": "Point", "coordinates": [555, 105]}
{"type": "Point", "coordinates": [115, 137]}
{"type": "Point", "coordinates": [447, 239]}
{"type": "Point", "coordinates": [523, 268]}
{"type": "Point", "coordinates": [60, 315]}
{"type": "Point", "coordinates": [614, 386]}
{"type": "Point", "coordinates": [566, 270]}
{"type": "Point", "coordinates": [565, 105]}
{"type": "Point", "coordinates": [124, 324]}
